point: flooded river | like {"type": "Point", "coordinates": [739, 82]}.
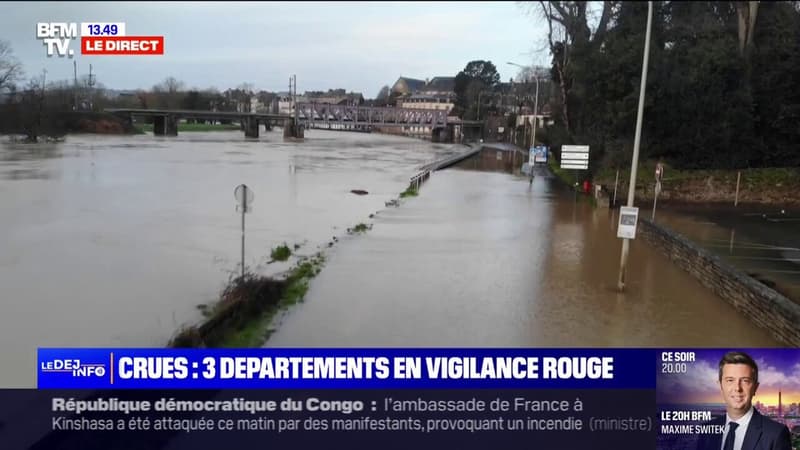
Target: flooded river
{"type": "Point", "coordinates": [761, 241]}
{"type": "Point", "coordinates": [483, 259]}
{"type": "Point", "coordinates": [114, 241]}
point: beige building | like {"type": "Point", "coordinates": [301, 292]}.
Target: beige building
{"type": "Point", "coordinates": [437, 93]}
{"type": "Point", "coordinates": [421, 101]}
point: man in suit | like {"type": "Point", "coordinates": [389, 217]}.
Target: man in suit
{"type": "Point", "coordinates": [745, 427]}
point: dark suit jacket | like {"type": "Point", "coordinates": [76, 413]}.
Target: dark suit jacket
{"type": "Point", "coordinates": [763, 433]}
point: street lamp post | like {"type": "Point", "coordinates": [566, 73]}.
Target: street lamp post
{"type": "Point", "coordinates": [479, 104]}
{"type": "Point", "coordinates": [535, 112]}
{"type": "Point", "coordinates": [635, 160]}
{"type": "Point", "coordinates": [479, 112]}
{"type": "Point", "coordinates": [537, 98]}
{"type": "Point", "coordinates": [535, 102]}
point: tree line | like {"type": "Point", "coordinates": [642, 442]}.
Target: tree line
{"type": "Point", "coordinates": [41, 107]}
{"type": "Point", "coordinates": [723, 85]}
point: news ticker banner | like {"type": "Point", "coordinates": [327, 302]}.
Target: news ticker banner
{"type": "Point", "coordinates": [343, 368]}
{"type": "Point", "coordinates": [564, 398]}
{"type": "Point", "coordinates": [96, 38]}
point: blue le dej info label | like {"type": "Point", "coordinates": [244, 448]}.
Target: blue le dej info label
{"type": "Point", "coordinates": [125, 368]}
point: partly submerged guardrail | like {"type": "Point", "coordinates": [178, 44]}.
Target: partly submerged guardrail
{"type": "Point", "coordinates": [425, 171]}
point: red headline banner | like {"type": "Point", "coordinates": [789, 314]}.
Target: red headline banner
{"type": "Point", "coordinates": [122, 45]}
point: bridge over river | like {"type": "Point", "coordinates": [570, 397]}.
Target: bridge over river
{"type": "Point", "coordinates": [312, 115]}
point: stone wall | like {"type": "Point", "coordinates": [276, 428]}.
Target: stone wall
{"type": "Point", "coordinates": [765, 307]}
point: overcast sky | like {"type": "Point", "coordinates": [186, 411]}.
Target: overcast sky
{"type": "Point", "coordinates": [356, 46]}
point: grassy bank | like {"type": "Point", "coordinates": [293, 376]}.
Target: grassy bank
{"type": "Point", "coordinates": [566, 176]}
{"type": "Point", "coordinates": [148, 128]}
{"type": "Point", "coordinates": [766, 185]}
{"type": "Point", "coordinates": [411, 191]}
{"type": "Point", "coordinates": [247, 306]}
{"type": "Point", "coordinates": [256, 330]}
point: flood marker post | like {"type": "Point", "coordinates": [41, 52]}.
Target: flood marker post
{"type": "Point", "coordinates": [244, 198]}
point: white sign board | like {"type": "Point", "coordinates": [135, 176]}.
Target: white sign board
{"type": "Point", "coordinates": [628, 217]}
{"type": "Point", "coordinates": [575, 157]}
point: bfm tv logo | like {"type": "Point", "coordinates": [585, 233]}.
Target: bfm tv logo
{"type": "Point", "coordinates": [73, 366]}
{"type": "Point", "coordinates": [96, 39]}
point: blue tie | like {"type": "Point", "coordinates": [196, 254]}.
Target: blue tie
{"type": "Point", "coordinates": [731, 436]}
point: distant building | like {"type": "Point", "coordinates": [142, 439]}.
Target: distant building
{"type": "Point", "coordinates": [114, 94]}
{"type": "Point", "coordinates": [440, 87]}
{"type": "Point", "coordinates": [405, 86]}
{"type": "Point", "coordinates": [437, 93]}
{"type": "Point", "coordinates": [256, 106]}
{"type": "Point", "coordinates": [285, 102]}
{"type": "Point", "coordinates": [264, 103]}
{"type": "Point", "coordinates": [336, 97]}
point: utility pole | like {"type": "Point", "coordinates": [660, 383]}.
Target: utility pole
{"type": "Point", "coordinates": [91, 91]}
{"type": "Point", "coordinates": [479, 113]}
{"type": "Point", "coordinates": [637, 139]}
{"type": "Point", "coordinates": [75, 86]}
{"type": "Point", "coordinates": [479, 104]}
{"type": "Point", "coordinates": [535, 112]}
{"type": "Point", "coordinates": [294, 100]}
{"type": "Point", "coordinates": [41, 106]}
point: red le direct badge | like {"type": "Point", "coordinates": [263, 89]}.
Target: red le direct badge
{"type": "Point", "coordinates": [122, 45]}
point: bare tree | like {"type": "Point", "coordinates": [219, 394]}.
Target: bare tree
{"type": "Point", "coordinates": [10, 67]}
{"type": "Point", "coordinates": [32, 107]}
{"type": "Point", "coordinates": [167, 92]}
{"type": "Point", "coordinates": [172, 85]}
{"type": "Point", "coordinates": [568, 28]}
{"type": "Point", "coordinates": [746, 12]}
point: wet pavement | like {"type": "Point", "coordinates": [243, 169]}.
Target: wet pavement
{"type": "Point", "coordinates": [483, 259]}
{"type": "Point", "coordinates": [115, 240]}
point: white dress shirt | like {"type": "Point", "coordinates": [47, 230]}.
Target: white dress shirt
{"type": "Point", "coordinates": [743, 422]}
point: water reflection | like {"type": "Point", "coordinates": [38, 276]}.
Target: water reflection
{"type": "Point", "coordinates": [482, 259]}
{"type": "Point", "coordinates": [764, 244]}
{"type": "Point", "coordinates": [16, 151]}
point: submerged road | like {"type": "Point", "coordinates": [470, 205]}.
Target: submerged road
{"type": "Point", "coordinates": [484, 259]}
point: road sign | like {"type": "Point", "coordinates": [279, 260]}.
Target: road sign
{"type": "Point", "coordinates": [538, 154]}
{"type": "Point", "coordinates": [244, 195]}
{"type": "Point", "coordinates": [628, 217]}
{"type": "Point", "coordinates": [575, 157]}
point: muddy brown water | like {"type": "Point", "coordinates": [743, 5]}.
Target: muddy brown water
{"type": "Point", "coordinates": [115, 240]}
{"type": "Point", "coordinates": [484, 259]}
{"type": "Point", "coordinates": [763, 241]}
